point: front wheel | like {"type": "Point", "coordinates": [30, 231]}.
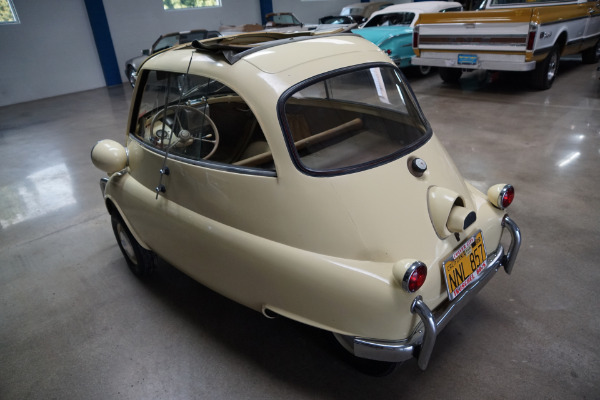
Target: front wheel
{"type": "Point", "coordinates": [131, 75]}
{"type": "Point", "coordinates": [545, 71]}
{"type": "Point", "coordinates": [450, 75]}
{"type": "Point", "coordinates": [139, 260]}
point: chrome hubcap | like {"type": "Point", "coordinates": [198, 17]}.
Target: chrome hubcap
{"type": "Point", "coordinates": [552, 65]}
{"type": "Point", "coordinates": [126, 244]}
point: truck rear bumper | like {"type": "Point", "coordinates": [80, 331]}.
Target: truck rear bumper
{"type": "Point", "coordinates": [495, 62]}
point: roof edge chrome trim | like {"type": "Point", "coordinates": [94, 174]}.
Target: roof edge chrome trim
{"type": "Point", "coordinates": [209, 164]}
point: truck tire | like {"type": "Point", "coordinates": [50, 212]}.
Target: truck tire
{"type": "Point", "coordinates": [591, 55]}
{"type": "Point", "coordinates": [545, 70]}
{"type": "Point", "coordinates": [450, 75]}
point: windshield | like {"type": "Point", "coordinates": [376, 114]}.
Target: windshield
{"type": "Point", "coordinates": [336, 20]}
{"type": "Point", "coordinates": [352, 121]}
{"type": "Point", "coordinates": [401, 18]}
{"type": "Point", "coordinates": [284, 20]}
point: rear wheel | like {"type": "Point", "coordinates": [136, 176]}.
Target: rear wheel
{"type": "Point", "coordinates": [591, 55]}
{"type": "Point", "coordinates": [450, 75]}
{"type": "Point", "coordinates": [545, 71]}
{"type": "Point", "coordinates": [131, 76]}
{"type": "Point", "coordinates": [424, 70]}
{"type": "Point", "coordinates": [139, 260]}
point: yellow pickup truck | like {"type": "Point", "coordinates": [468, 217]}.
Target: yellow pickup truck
{"type": "Point", "coordinates": [509, 35]}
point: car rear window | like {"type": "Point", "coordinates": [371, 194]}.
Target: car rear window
{"type": "Point", "coordinates": [351, 121]}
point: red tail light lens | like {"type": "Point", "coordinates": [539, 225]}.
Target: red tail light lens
{"type": "Point", "coordinates": [531, 36]}
{"type": "Point", "coordinates": [507, 195]}
{"type": "Point", "coordinates": [415, 42]}
{"type": "Point", "coordinates": [414, 277]}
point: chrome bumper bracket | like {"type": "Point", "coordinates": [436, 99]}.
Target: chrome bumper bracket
{"type": "Point", "coordinates": [421, 343]}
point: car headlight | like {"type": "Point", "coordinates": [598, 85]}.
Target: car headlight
{"type": "Point", "coordinates": [109, 156]}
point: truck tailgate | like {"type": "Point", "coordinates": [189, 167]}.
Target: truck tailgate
{"type": "Point", "coordinates": [493, 30]}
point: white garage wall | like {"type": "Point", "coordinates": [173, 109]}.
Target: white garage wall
{"type": "Point", "coordinates": [309, 12]}
{"type": "Point", "coordinates": [51, 52]}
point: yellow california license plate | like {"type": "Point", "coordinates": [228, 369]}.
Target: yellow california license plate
{"type": "Point", "coordinates": [465, 265]}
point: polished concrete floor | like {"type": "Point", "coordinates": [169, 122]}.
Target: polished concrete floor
{"type": "Point", "coordinates": [76, 324]}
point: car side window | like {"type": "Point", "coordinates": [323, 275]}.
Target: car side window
{"type": "Point", "coordinates": [200, 119]}
{"type": "Point", "coordinates": [391, 19]}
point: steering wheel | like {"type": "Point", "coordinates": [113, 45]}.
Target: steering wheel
{"type": "Point", "coordinates": [162, 129]}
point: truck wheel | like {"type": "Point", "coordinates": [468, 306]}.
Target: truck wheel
{"type": "Point", "coordinates": [424, 70]}
{"type": "Point", "coordinates": [591, 55]}
{"type": "Point", "coordinates": [139, 260]}
{"type": "Point", "coordinates": [450, 75]}
{"type": "Point", "coordinates": [545, 71]}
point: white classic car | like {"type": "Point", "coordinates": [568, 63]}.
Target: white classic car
{"type": "Point", "coordinates": [297, 175]}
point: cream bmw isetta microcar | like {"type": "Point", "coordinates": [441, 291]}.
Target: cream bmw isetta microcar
{"type": "Point", "coordinates": [296, 175]}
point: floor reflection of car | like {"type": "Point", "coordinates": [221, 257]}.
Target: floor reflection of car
{"type": "Point", "coordinates": [391, 29]}
{"type": "Point", "coordinates": [164, 42]}
{"type": "Point", "coordinates": [297, 175]}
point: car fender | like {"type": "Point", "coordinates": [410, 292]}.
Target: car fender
{"type": "Point", "coordinates": [113, 208]}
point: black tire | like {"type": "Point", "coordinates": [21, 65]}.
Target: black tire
{"type": "Point", "coordinates": [131, 76]}
{"type": "Point", "coordinates": [545, 71]}
{"type": "Point", "coordinates": [450, 75]}
{"type": "Point", "coordinates": [591, 55]}
{"type": "Point", "coordinates": [423, 70]}
{"type": "Point", "coordinates": [140, 261]}
{"type": "Point", "coordinates": [373, 368]}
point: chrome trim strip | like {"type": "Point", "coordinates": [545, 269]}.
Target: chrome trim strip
{"type": "Point", "coordinates": [103, 183]}
{"type": "Point", "coordinates": [515, 244]}
{"type": "Point", "coordinates": [206, 163]}
{"type": "Point", "coordinates": [421, 343]}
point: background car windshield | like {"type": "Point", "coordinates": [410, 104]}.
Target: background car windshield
{"type": "Point", "coordinates": [404, 18]}
{"type": "Point", "coordinates": [352, 121]}
{"type": "Point", "coordinates": [336, 20]}
{"type": "Point", "coordinates": [165, 43]}
{"type": "Point", "coordinates": [285, 19]}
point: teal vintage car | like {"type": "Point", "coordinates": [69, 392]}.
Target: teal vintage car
{"type": "Point", "coordinates": [391, 29]}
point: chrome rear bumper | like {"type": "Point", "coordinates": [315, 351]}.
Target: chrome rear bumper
{"type": "Point", "coordinates": [420, 344]}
